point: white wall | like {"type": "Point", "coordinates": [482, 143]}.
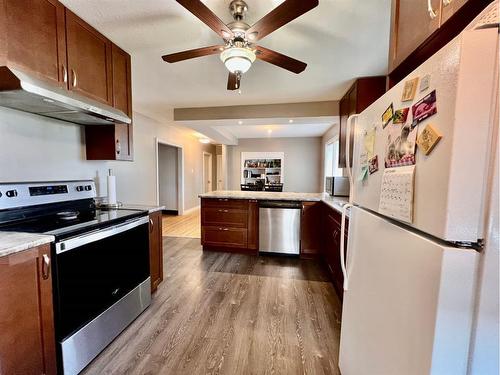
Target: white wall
{"type": "Point", "coordinates": [34, 148]}
{"type": "Point", "coordinates": [302, 170]}
{"type": "Point", "coordinates": [167, 176]}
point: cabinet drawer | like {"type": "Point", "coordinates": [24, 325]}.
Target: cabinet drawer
{"type": "Point", "coordinates": [240, 204]}
{"type": "Point", "coordinates": [224, 236]}
{"type": "Point", "coordinates": [230, 217]}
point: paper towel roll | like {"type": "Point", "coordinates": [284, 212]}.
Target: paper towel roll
{"type": "Point", "coordinates": [111, 190]}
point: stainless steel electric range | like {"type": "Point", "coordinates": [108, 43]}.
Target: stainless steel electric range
{"type": "Point", "coordinates": [100, 262]}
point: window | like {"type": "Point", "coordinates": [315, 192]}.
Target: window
{"type": "Point", "coordinates": [332, 159]}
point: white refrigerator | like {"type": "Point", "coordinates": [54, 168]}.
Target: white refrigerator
{"type": "Point", "coordinates": [410, 287]}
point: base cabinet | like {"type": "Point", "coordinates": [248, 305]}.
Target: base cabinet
{"type": "Point", "coordinates": [27, 339]}
{"type": "Point", "coordinates": [310, 229]}
{"type": "Point", "coordinates": [230, 225]}
{"type": "Point", "coordinates": [155, 249]}
{"type": "Point", "coordinates": [330, 251]}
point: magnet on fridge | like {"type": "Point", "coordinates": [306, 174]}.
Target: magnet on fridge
{"type": "Point", "coordinates": [409, 90]}
{"type": "Point", "coordinates": [400, 116]}
{"type": "Point", "coordinates": [428, 139]}
{"type": "Point", "coordinates": [387, 116]}
{"type": "Point", "coordinates": [373, 164]}
{"type": "Point", "coordinates": [425, 82]}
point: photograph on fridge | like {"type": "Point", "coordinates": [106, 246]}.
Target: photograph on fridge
{"type": "Point", "coordinates": [400, 146]}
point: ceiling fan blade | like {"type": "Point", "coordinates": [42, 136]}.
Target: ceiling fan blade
{"type": "Point", "coordinates": [233, 81]}
{"type": "Point", "coordinates": [280, 60]}
{"type": "Point", "coordinates": [281, 15]}
{"type": "Point", "coordinates": [192, 53]}
{"type": "Point", "coordinates": [201, 11]}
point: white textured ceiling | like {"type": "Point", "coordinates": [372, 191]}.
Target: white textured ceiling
{"type": "Point", "coordinates": [339, 39]}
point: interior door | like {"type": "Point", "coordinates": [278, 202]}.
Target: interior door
{"type": "Point", "coordinates": [36, 38]}
{"type": "Point", "coordinates": [408, 307]}
{"type": "Point", "coordinates": [207, 172]}
{"type": "Point", "coordinates": [89, 60]}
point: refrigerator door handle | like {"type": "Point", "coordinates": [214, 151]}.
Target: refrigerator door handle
{"type": "Point", "coordinates": [346, 270]}
{"type": "Point", "coordinates": [348, 156]}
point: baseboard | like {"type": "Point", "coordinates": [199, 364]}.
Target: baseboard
{"type": "Point", "coordinates": [191, 210]}
{"type": "Point", "coordinates": [170, 212]}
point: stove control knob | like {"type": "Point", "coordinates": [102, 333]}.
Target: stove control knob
{"type": "Point", "coordinates": [11, 193]}
{"type": "Point", "coordinates": [88, 187]}
{"type": "Point", "coordinates": [0, 194]}
{"type": "Point", "coordinates": [79, 188]}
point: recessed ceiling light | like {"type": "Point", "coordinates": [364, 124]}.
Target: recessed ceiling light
{"type": "Point", "coordinates": [290, 121]}
{"type": "Point", "coordinates": [240, 122]}
{"type": "Point", "coordinates": [204, 140]}
{"type": "Point", "coordinates": [269, 131]}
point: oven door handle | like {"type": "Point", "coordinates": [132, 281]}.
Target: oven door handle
{"type": "Point", "coordinates": [99, 234]}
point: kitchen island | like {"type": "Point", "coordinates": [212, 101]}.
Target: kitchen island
{"type": "Point", "coordinates": [230, 223]}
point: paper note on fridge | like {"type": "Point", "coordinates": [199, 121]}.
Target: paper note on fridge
{"type": "Point", "coordinates": [396, 193]}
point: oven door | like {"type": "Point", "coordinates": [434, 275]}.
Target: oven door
{"type": "Point", "coordinates": [95, 270]}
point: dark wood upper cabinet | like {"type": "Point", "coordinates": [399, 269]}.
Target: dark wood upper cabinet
{"type": "Point", "coordinates": [27, 339]}
{"type": "Point", "coordinates": [33, 38]}
{"type": "Point", "coordinates": [360, 95]}
{"type": "Point", "coordinates": [114, 142]}
{"type": "Point", "coordinates": [416, 36]}
{"type": "Point", "coordinates": [89, 60]}
{"type": "Point", "coordinates": [155, 249]}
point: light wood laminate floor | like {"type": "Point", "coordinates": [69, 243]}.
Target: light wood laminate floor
{"type": "Point", "coordinates": [230, 314]}
{"type": "Point", "coordinates": [183, 226]}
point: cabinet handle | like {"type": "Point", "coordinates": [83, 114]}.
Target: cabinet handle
{"type": "Point", "coordinates": [223, 211]}
{"type": "Point", "coordinates": [432, 13]}
{"type": "Point", "coordinates": [151, 223]}
{"type": "Point", "coordinates": [447, 2]}
{"type": "Point", "coordinates": [118, 147]}
{"type": "Point", "coordinates": [74, 76]}
{"type": "Point", "coordinates": [223, 200]}
{"type": "Point", "coordinates": [65, 74]}
{"type": "Point", "coordinates": [224, 229]}
{"type": "Point", "coordinates": [45, 267]}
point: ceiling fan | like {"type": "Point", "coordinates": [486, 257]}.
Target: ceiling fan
{"type": "Point", "coordinates": [239, 51]}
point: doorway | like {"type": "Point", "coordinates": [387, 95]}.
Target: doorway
{"type": "Point", "coordinates": [170, 177]}
{"type": "Point", "coordinates": [207, 172]}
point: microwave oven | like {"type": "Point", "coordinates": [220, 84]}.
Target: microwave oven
{"type": "Point", "coordinates": [337, 186]}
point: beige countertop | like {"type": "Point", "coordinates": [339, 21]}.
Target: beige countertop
{"type": "Point", "coordinates": [334, 202]}
{"type": "Point", "coordinates": [14, 242]}
{"type": "Point", "coordinates": [142, 207]}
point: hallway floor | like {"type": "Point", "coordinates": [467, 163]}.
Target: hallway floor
{"type": "Point", "coordinates": [227, 314]}
{"type": "Point", "coordinates": [188, 226]}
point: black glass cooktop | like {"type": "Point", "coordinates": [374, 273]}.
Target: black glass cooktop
{"type": "Point", "coordinates": [69, 222]}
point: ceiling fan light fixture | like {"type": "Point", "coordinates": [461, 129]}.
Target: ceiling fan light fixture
{"type": "Point", "coordinates": [237, 59]}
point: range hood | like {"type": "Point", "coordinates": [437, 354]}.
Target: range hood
{"type": "Point", "coordinates": [24, 92]}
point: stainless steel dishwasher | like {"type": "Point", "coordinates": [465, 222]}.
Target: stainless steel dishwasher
{"type": "Point", "coordinates": [279, 227]}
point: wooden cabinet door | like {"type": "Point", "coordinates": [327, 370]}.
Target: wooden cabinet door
{"type": "Point", "coordinates": [27, 340]}
{"type": "Point", "coordinates": [449, 9]}
{"type": "Point", "coordinates": [411, 26]}
{"type": "Point", "coordinates": [310, 229]}
{"type": "Point", "coordinates": [36, 39]}
{"type": "Point", "coordinates": [155, 249]}
{"type": "Point", "coordinates": [253, 225]}
{"type": "Point", "coordinates": [89, 60]}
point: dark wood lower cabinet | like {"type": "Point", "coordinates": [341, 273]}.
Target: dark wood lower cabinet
{"type": "Point", "coordinates": [155, 249]}
{"type": "Point", "coordinates": [27, 340]}
{"type": "Point", "coordinates": [310, 229]}
{"type": "Point", "coordinates": [230, 225]}
{"type": "Point", "coordinates": [330, 251]}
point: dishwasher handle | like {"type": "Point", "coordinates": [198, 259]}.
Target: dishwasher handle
{"type": "Point", "coordinates": [280, 204]}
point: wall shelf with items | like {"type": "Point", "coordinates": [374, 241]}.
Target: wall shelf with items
{"type": "Point", "coordinates": [262, 171]}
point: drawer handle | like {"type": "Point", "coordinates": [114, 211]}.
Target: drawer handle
{"type": "Point", "coordinates": [223, 211]}
{"type": "Point", "coordinates": [223, 199]}
{"type": "Point", "coordinates": [45, 267]}
{"type": "Point", "coordinates": [224, 229]}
